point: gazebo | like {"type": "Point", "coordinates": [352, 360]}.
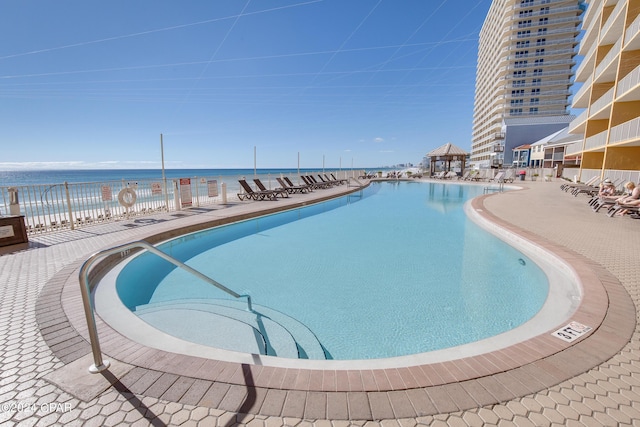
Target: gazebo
{"type": "Point", "coordinates": [447, 153]}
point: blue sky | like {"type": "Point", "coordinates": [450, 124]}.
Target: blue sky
{"type": "Point", "coordinates": [93, 84]}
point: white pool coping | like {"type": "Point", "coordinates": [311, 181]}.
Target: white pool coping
{"type": "Point", "coordinates": [565, 294]}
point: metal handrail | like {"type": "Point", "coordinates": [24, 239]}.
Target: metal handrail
{"type": "Point", "coordinates": [100, 365]}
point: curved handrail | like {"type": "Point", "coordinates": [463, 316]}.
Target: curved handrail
{"type": "Point", "coordinates": [100, 365]}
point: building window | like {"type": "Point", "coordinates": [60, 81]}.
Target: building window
{"type": "Point", "coordinates": [523, 44]}
{"type": "Point", "coordinates": [539, 62]}
{"type": "Point", "coordinates": [536, 82]}
{"type": "Point", "coordinates": [515, 111]}
{"type": "Point", "coordinates": [520, 64]}
{"type": "Point", "coordinates": [541, 42]}
{"type": "Point", "coordinates": [537, 72]}
{"type": "Point", "coordinates": [518, 83]}
{"type": "Point", "coordinates": [533, 110]}
{"type": "Point", "coordinates": [542, 31]}
{"type": "Point", "coordinates": [543, 21]}
{"type": "Point", "coordinates": [539, 52]}
{"type": "Point", "coordinates": [544, 10]}
{"type": "Point", "coordinates": [515, 102]}
{"type": "Point", "coordinates": [519, 92]}
{"type": "Point", "coordinates": [524, 34]}
{"type": "Point", "coordinates": [522, 53]}
{"type": "Point", "coordinates": [524, 24]}
{"type": "Point", "coordinates": [526, 2]}
{"type": "Point", "coordinates": [535, 91]}
{"type": "Point", "coordinates": [519, 73]}
{"type": "Point", "coordinates": [525, 13]}
{"type": "Point", "coordinates": [534, 101]}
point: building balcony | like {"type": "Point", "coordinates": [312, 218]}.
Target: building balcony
{"type": "Point", "coordinates": [581, 97]}
{"type": "Point", "coordinates": [629, 86]}
{"type": "Point", "coordinates": [565, 83]}
{"type": "Point", "coordinates": [573, 149]}
{"type": "Point", "coordinates": [579, 124]}
{"type": "Point", "coordinates": [606, 69]}
{"type": "Point", "coordinates": [498, 148]}
{"type": "Point", "coordinates": [596, 141]}
{"type": "Point", "coordinates": [535, 23]}
{"type": "Point", "coordinates": [601, 108]}
{"type": "Point", "coordinates": [632, 35]}
{"type": "Point", "coordinates": [626, 132]}
{"type": "Point", "coordinates": [613, 29]}
{"type": "Point", "coordinates": [519, 5]}
{"type": "Point", "coordinates": [588, 62]}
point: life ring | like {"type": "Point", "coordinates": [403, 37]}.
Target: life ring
{"type": "Point", "coordinates": [127, 197]}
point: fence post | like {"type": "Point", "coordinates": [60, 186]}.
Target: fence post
{"type": "Point", "coordinates": [14, 202]}
{"type": "Point", "coordinates": [69, 207]}
{"type": "Point", "coordinates": [176, 196]}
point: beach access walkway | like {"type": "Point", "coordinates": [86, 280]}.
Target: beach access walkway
{"type": "Point", "coordinates": [39, 385]}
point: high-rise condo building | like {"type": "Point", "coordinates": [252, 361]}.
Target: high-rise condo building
{"type": "Point", "coordinates": [610, 92]}
{"type": "Point", "coordinates": [525, 66]}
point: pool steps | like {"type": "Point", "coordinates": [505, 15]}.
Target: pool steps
{"type": "Point", "coordinates": [229, 325]}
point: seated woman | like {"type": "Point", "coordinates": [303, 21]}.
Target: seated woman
{"type": "Point", "coordinates": [632, 200]}
{"type": "Point", "coordinates": [607, 190]}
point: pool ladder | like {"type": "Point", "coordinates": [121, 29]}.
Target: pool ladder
{"type": "Point", "coordinates": [100, 365]}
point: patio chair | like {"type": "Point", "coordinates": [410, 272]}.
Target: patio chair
{"type": "Point", "coordinates": [326, 181]}
{"type": "Point", "coordinates": [249, 193]}
{"type": "Point", "coordinates": [341, 181]}
{"type": "Point", "coordinates": [292, 185]}
{"type": "Point", "coordinates": [282, 192]}
{"type": "Point", "coordinates": [308, 179]}
{"type": "Point", "coordinates": [292, 188]}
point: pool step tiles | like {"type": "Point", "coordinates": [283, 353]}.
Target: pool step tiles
{"type": "Point", "coordinates": [229, 325]}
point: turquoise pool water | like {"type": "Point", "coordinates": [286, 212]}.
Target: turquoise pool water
{"type": "Point", "coordinates": [397, 270]}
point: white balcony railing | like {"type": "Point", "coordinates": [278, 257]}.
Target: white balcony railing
{"type": "Point", "coordinates": [632, 30]}
{"type": "Point", "coordinates": [573, 149]}
{"type": "Point", "coordinates": [602, 102]}
{"type": "Point", "coordinates": [579, 121]}
{"type": "Point", "coordinates": [627, 131]}
{"type": "Point", "coordinates": [628, 82]}
{"type": "Point", "coordinates": [609, 57]}
{"type": "Point", "coordinates": [612, 18]}
{"type": "Point", "coordinates": [596, 141]}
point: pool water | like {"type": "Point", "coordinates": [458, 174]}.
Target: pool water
{"type": "Point", "coordinates": [395, 270]}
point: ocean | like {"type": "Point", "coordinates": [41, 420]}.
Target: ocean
{"type": "Point", "coordinates": [44, 177]}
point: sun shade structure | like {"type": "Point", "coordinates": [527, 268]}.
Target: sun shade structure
{"type": "Point", "coordinates": [447, 153]}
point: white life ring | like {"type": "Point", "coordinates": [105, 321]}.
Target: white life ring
{"type": "Point", "coordinates": [127, 197]}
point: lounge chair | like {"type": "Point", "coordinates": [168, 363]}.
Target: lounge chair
{"type": "Point", "coordinates": [566, 187]}
{"type": "Point", "coordinates": [310, 180]}
{"type": "Point", "coordinates": [498, 178]}
{"type": "Point", "coordinates": [292, 188]}
{"type": "Point", "coordinates": [341, 181]}
{"type": "Point", "coordinates": [619, 207]}
{"type": "Point", "coordinates": [292, 185]}
{"type": "Point", "coordinates": [249, 193]}
{"type": "Point", "coordinates": [282, 192]}
{"type": "Point", "coordinates": [327, 180]}
{"type": "Point", "coordinates": [439, 175]}
{"type": "Point", "coordinates": [450, 175]}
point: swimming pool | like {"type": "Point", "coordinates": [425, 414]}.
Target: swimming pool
{"type": "Point", "coordinates": [416, 276]}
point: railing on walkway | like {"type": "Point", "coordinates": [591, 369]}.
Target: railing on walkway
{"type": "Point", "coordinates": [54, 207]}
{"type": "Point", "coordinates": [85, 289]}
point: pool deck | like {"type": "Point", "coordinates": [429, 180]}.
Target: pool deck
{"type": "Point", "coordinates": [44, 353]}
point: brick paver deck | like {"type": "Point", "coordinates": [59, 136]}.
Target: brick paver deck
{"type": "Point", "coordinates": [542, 382]}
